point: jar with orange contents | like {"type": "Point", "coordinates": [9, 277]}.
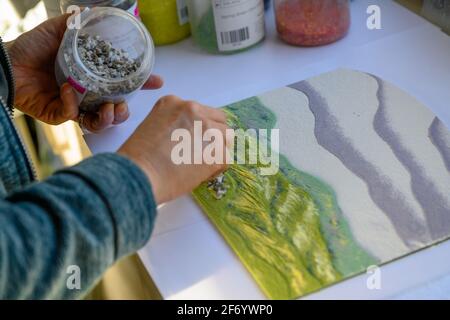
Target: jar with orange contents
{"type": "Point", "coordinates": [312, 22]}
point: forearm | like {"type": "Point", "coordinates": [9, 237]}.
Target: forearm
{"type": "Point", "coordinates": [86, 216]}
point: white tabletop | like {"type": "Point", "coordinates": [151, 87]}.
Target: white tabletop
{"type": "Point", "coordinates": [186, 256]}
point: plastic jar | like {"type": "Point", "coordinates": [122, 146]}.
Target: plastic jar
{"type": "Point", "coordinates": [109, 58]}
{"type": "Point", "coordinates": [129, 5]}
{"type": "Point", "coordinates": [167, 20]}
{"type": "Point", "coordinates": [227, 26]}
{"type": "Point", "coordinates": [312, 22]}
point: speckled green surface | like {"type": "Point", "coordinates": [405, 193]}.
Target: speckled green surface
{"type": "Point", "coordinates": [287, 229]}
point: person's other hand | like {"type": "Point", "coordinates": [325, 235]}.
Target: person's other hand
{"type": "Point", "coordinates": [37, 93]}
{"type": "Point", "coordinates": [150, 146]}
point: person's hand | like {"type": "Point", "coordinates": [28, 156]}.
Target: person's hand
{"type": "Point", "coordinates": [150, 146]}
{"type": "Point", "coordinates": [37, 93]}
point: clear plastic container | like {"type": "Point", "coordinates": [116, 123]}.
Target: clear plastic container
{"type": "Point", "coordinates": [227, 26]}
{"type": "Point", "coordinates": [129, 5]}
{"type": "Point", "coordinates": [115, 63]}
{"type": "Point", "coordinates": [312, 22]}
{"type": "Point", "coordinates": [167, 20]}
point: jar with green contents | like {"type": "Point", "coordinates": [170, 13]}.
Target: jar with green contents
{"type": "Point", "coordinates": [227, 26]}
{"type": "Point", "coordinates": [167, 20]}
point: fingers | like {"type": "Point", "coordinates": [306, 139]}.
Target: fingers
{"type": "Point", "coordinates": [228, 135]}
{"type": "Point", "coordinates": [96, 122]}
{"type": "Point", "coordinates": [228, 142]}
{"type": "Point", "coordinates": [201, 111]}
{"type": "Point", "coordinates": [215, 114]}
{"type": "Point", "coordinates": [154, 82]}
{"type": "Point", "coordinates": [69, 108]}
{"type": "Point", "coordinates": [61, 108]}
{"type": "Point", "coordinates": [121, 113]}
{"type": "Point", "coordinates": [108, 115]}
{"type": "Point", "coordinates": [207, 112]}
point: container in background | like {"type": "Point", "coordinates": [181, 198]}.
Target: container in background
{"type": "Point", "coordinates": [438, 12]}
{"type": "Point", "coordinates": [52, 8]}
{"type": "Point", "coordinates": [220, 26]}
{"type": "Point", "coordinates": [129, 5]}
{"type": "Point", "coordinates": [167, 20]}
{"type": "Point", "coordinates": [118, 30]}
{"type": "Point", "coordinates": [312, 22]}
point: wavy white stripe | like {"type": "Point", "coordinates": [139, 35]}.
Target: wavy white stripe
{"type": "Point", "coordinates": [404, 124]}
{"type": "Point", "coordinates": [370, 226]}
{"type": "Point", "coordinates": [353, 102]}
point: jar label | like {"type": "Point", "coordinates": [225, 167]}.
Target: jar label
{"type": "Point", "coordinates": [78, 87]}
{"type": "Point", "coordinates": [183, 14]}
{"type": "Point", "coordinates": [134, 9]}
{"type": "Point", "coordinates": [239, 23]}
